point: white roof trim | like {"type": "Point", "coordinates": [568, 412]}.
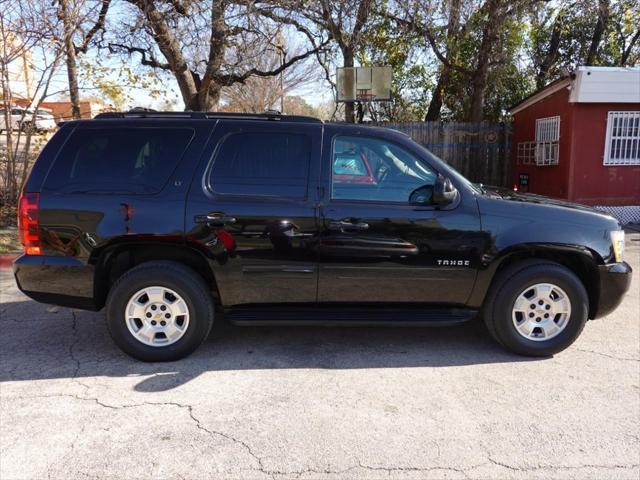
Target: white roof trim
{"type": "Point", "coordinates": [593, 85]}
{"type": "Point", "coordinates": [606, 85]}
{"type": "Point", "coordinates": [545, 92]}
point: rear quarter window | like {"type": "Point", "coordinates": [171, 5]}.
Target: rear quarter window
{"type": "Point", "coordinates": [129, 160]}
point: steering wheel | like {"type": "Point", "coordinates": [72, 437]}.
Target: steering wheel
{"type": "Point", "coordinates": [382, 173]}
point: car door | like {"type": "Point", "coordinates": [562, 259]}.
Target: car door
{"type": "Point", "coordinates": [253, 207]}
{"type": "Point", "coordinates": [375, 246]}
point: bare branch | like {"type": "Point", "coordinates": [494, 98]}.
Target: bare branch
{"type": "Point", "coordinates": [228, 79]}
{"type": "Point", "coordinates": [98, 26]}
{"type": "Point", "coordinates": [148, 59]}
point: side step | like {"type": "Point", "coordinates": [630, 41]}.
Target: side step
{"type": "Point", "coordinates": [335, 316]}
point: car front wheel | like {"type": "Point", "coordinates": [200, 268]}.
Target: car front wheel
{"type": "Point", "coordinates": [159, 311]}
{"type": "Point", "coordinates": [536, 308]}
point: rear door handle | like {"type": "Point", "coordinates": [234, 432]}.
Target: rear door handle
{"type": "Point", "coordinates": [345, 225]}
{"type": "Point", "coordinates": [215, 219]}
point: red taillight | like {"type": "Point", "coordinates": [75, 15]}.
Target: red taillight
{"type": "Point", "coordinates": [29, 223]}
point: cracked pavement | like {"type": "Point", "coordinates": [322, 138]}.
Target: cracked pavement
{"type": "Point", "coordinates": [316, 403]}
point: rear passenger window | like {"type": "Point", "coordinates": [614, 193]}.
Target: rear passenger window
{"type": "Point", "coordinates": [263, 164]}
{"type": "Point", "coordinates": [132, 160]}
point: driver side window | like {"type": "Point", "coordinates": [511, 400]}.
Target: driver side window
{"type": "Point", "coordinates": [376, 170]}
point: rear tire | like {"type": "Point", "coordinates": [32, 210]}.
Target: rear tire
{"type": "Point", "coordinates": [536, 308]}
{"type": "Point", "coordinates": [28, 127]}
{"type": "Point", "coordinates": [181, 294]}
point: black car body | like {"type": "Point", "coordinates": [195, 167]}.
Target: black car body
{"type": "Point", "coordinates": [270, 214]}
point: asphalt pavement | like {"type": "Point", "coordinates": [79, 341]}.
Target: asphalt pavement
{"type": "Point", "coordinates": [307, 403]}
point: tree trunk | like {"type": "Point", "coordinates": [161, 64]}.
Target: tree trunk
{"type": "Point", "coordinates": [551, 56]}
{"type": "Point", "coordinates": [172, 52]}
{"type": "Point", "coordinates": [433, 112]}
{"type": "Point", "coordinates": [435, 105]}
{"type": "Point", "coordinates": [479, 85]}
{"type": "Point", "coordinates": [627, 51]}
{"type": "Point", "coordinates": [208, 101]}
{"type": "Point", "coordinates": [481, 74]}
{"type": "Point", "coordinates": [70, 54]}
{"type": "Point", "coordinates": [10, 185]}
{"type": "Point", "coordinates": [598, 32]}
{"type": "Point", "coordinates": [209, 89]}
{"type": "Point", "coordinates": [349, 114]}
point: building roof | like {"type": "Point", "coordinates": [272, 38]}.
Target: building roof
{"type": "Point", "coordinates": [591, 85]}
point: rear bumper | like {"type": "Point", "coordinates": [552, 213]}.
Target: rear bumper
{"type": "Point", "coordinates": [63, 281]}
{"type": "Point", "coordinates": [615, 279]}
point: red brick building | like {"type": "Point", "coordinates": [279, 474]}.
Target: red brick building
{"type": "Point", "coordinates": [579, 138]}
{"type": "Point", "coordinates": [61, 110]}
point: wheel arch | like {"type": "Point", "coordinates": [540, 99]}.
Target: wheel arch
{"type": "Point", "coordinates": [116, 259]}
{"type": "Point", "coordinates": [582, 261]}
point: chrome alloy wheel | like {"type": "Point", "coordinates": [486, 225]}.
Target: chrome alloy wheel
{"type": "Point", "coordinates": [541, 312]}
{"type": "Point", "coordinates": [157, 316]}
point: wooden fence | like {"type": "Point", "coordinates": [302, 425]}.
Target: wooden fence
{"type": "Point", "coordinates": [480, 151]}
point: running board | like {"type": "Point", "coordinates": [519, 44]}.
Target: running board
{"type": "Point", "coordinates": [347, 316]}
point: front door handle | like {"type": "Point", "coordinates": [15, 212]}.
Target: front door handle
{"type": "Point", "coordinates": [215, 219]}
{"type": "Point", "coordinates": [346, 225]}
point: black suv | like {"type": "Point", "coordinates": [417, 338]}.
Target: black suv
{"type": "Point", "coordinates": [170, 220]}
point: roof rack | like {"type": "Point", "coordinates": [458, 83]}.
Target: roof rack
{"type": "Point", "coordinates": [146, 113]}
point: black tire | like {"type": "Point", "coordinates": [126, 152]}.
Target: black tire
{"type": "Point", "coordinates": [497, 310]}
{"type": "Point", "coordinates": [177, 277]}
{"type": "Point", "coordinates": [28, 127]}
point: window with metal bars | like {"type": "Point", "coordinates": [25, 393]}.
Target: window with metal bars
{"type": "Point", "coordinates": [547, 141]}
{"type": "Point", "coordinates": [622, 144]}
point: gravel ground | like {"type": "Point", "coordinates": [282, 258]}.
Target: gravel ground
{"type": "Point", "coordinates": [296, 403]}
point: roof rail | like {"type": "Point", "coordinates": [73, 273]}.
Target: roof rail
{"type": "Point", "coordinates": [144, 113]}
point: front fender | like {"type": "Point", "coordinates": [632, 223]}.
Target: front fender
{"type": "Point", "coordinates": [578, 241]}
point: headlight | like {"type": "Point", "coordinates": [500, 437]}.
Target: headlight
{"type": "Point", "coordinates": [617, 240]}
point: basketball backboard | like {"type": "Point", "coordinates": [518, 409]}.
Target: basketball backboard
{"type": "Point", "coordinates": [363, 84]}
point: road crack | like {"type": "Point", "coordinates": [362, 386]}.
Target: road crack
{"type": "Point", "coordinates": [625, 359]}
{"type": "Point", "coordinates": [559, 467]}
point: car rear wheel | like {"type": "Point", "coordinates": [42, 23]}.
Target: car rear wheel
{"type": "Point", "coordinates": [27, 127]}
{"type": "Point", "coordinates": [159, 311]}
{"type": "Point", "coordinates": [536, 308]}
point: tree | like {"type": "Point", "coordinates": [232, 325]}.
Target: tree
{"type": "Point", "coordinates": [342, 22]}
{"type": "Point", "coordinates": [565, 36]}
{"type": "Point", "coordinates": [346, 30]}
{"type": "Point", "coordinates": [383, 43]}
{"type": "Point", "coordinates": [468, 51]}
{"type": "Point", "coordinates": [29, 31]}
{"type": "Point", "coordinates": [548, 33]}
{"type": "Point", "coordinates": [205, 47]}
{"type": "Point", "coordinates": [74, 15]}
{"type": "Point", "coordinates": [258, 94]}
{"type": "Point", "coordinates": [602, 19]}
{"type": "Point", "coordinates": [444, 77]}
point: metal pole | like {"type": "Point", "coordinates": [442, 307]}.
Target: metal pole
{"type": "Point", "coordinates": [280, 47]}
{"type": "Point", "coordinates": [282, 80]}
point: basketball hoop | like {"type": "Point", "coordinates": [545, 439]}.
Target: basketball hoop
{"type": "Point", "coordinates": [365, 96]}
{"type": "Point", "coordinates": [363, 84]}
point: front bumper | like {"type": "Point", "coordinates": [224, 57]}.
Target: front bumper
{"type": "Point", "coordinates": [615, 279]}
{"type": "Point", "coordinates": [63, 281]}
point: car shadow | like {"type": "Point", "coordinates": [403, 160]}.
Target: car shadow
{"type": "Point", "coordinates": [41, 342]}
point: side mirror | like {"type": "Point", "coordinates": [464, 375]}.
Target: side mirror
{"type": "Point", "coordinates": [444, 193]}
{"type": "Point", "coordinates": [422, 196]}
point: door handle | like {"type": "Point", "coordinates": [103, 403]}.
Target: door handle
{"type": "Point", "coordinates": [215, 219]}
{"type": "Point", "coordinates": [345, 225]}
